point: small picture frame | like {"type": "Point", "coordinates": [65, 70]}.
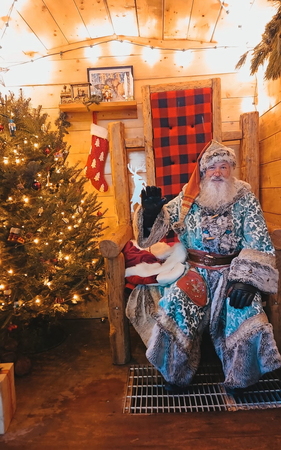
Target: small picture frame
{"type": "Point", "coordinates": [115, 84]}
{"type": "Point", "coordinates": [80, 92]}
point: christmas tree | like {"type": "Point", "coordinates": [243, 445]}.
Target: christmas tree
{"type": "Point", "coordinates": [50, 226]}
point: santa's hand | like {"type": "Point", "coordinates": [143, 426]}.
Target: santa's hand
{"type": "Point", "coordinates": [152, 202]}
{"type": "Point", "coordinates": [241, 295]}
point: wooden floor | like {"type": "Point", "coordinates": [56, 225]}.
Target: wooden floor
{"type": "Point", "coordinates": [73, 399]}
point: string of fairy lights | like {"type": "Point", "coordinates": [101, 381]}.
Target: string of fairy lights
{"type": "Point", "coordinates": [8, 19]}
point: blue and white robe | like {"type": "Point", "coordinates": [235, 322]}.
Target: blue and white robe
{"type": "Point", "coordinates": [171, 325]}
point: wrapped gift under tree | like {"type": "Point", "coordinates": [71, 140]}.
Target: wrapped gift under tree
{"type": "Point", "coordinates": [7, 395]}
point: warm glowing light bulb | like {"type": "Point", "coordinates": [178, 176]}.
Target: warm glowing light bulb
{"type": "Point", "coordinates": [183, 58]}
{"type": "Point", "coordinates": [37, 301]}
{"type": "Point", "coordinates": [93, 53]}
{"type": "Point", "coordinates": [120, 50]}
{"type": "Point", "coordinates": [151, 55]}
{"type": "Point", "coordinates": [25, 199]}
{"type": "Point", "coordinates": [36, 241]}
{"type": "Point", "coordinates": [67, 258]}
{"type": "Point", "coordinates": [10, 271]}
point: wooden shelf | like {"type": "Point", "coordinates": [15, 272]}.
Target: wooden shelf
{"type": "Point", "coordinates": [105, 110]}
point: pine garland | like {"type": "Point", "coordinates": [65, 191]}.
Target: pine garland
{"type": "Point", "coordinates": [269, 49]}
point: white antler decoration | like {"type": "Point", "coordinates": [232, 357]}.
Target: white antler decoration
{"type": "Point", "coordinates": [139, 184]}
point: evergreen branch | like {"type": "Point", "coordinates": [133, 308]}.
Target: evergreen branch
{"type": "Point", "coordinates": [7, 320]}
{"type": "Point", "coordinates": [268, 49]}
{"type": "Point", "coordinates": [242, 60]}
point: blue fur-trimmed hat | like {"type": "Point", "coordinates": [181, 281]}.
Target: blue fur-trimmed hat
{"type": "Point", "coordinates": [216, 152]}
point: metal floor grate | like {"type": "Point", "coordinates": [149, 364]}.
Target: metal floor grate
{"type": "Point", "coordinates": [146, 393]}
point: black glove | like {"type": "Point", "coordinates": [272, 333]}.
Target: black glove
{"type": "Point", "coordinates": [151, 202]}
{"type": "Point", "coordinates": [241, 295]}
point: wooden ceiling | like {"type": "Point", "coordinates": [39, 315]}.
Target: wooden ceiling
{"type": "Point", "coordinates": [36, 28]}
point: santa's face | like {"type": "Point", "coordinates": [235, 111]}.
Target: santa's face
{"type": "Point", "coordinates": [217, 186]}
{"type": "Point", "coordinates": [218, 172]}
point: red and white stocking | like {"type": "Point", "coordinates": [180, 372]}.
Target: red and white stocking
{"type": "Point", "coordinates": [97, 157]}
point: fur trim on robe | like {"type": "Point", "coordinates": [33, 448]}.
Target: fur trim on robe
{"type": "Point", "coordinates": [158, 230]}
{"type": "Point", "coordinates": [255, 268]}
{"type": "Point", "coordinates": [255, 333]}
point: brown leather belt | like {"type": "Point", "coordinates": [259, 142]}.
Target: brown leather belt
{"type": "Point", "coordinates": [210, 259]}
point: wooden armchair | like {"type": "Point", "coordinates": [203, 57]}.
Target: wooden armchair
{"type": "Point", "coordinates": [112, 244]}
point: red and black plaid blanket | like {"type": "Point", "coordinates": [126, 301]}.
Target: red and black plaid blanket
{"type": "Point", "coordinates": [182, 126]}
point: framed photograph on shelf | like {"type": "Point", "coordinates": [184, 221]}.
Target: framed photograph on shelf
{"type": "Point", "coordinates": [115, 84]}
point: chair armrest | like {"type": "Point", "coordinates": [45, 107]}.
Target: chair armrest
{"type": "Point", "coordinates": [114, 241]}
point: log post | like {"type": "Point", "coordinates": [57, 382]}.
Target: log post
{"type": "Point", "coordinates": [112, 245]}
{"type": "Point", "coordinates": [148, 135]}
{"type": "Point", "coordinates": [119, 325]}
{"type": "Point", "coordinates": [249, 150]}
{"type": "Point", "coordinates": [216, 106]}
{"type": "Point", "coordinates": [119, 171]}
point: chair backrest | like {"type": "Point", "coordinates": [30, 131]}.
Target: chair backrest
{"type": "Point", "coordinates": [150, 92]}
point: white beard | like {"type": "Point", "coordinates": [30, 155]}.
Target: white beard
{"type": "Point", "coordinates": [214, 194]}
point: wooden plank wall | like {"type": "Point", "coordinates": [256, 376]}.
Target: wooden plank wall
{"type": "Point", "coordinates": [43, 81]}
{"type": "Point", "coordinates": [270, 155]}
{"type": "Point", "coordinates": [269, 93]}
